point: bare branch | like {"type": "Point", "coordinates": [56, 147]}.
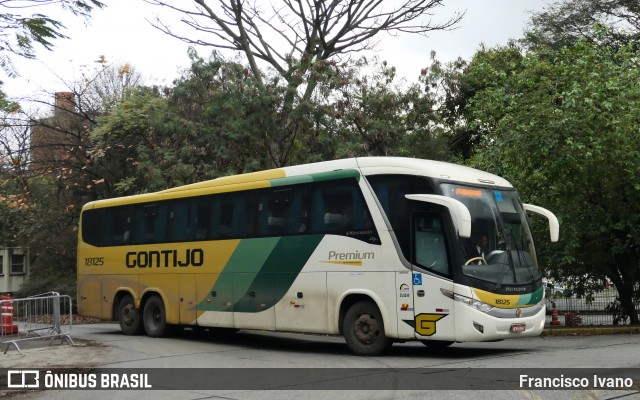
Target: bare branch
{"type": "Point", "coordinates": [309, 29]}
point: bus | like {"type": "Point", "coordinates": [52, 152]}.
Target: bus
{"type": "Point", "coordinates": [376, 249]}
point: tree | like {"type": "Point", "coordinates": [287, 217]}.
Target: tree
{"type": "Point", "coordinates": [296, 39]}
{"type": "Point", "coordinates": [378, 115]}
{"type": "Point", "coordinates": [106, 86]}
{"type": "Point", "coordinates": [454, 86]}
{"type": "Point", "coordinates": [19, 33]}
{"type": "Point", "coordinates": [564, 130]}
{"type": "Point", "coordinates": [50, 168]}
{"type": "Point", "coordinates": [565, 22]}
{"type": "Point", "coordinates": [13, 202]}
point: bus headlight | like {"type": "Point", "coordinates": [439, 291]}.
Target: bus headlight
{"type": "Point", "coordinates": [477, 304]}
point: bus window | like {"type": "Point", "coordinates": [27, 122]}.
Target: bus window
{"type": "Point", "coordinates": [390, 191]}
{"type": "Point", "coordinates": [298, 213]}
{"type": "Point", "coordinates": [237, 214]}
{"type": "Point", "coordinates": [430, 250]}
{"type": "Point", "coordinates": [245, 214]}
{"type": "Point", "coordinates": [93, 224]}
{"type": "Point", "coordinates": [273, 212]}
{"type": "Point", "coordinates": [119, 225]}
{"type": "Point", "coordinates": [150, 223]}
{"type": "Point", "coordinates": [338, 207]}
{"type": "Point", "coordinates": [203, 218]}
{"type": "Point", "coordinates": [181, 221]}
{"type": "Point", "coordinates": [215, 223]}
{"type": "Point", "coordinates": [283, 211]}
{"type": "Point", "coordinates": [226, 216]}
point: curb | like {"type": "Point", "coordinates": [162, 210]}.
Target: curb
{"type": "Point", "coordinates": [590, 330]}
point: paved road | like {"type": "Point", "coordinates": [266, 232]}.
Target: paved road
{"type": "Point", "coordinates": [103, 346]}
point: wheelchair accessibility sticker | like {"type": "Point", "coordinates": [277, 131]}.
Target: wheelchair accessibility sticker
{"type": "Point", "coordinates": [417, 279]}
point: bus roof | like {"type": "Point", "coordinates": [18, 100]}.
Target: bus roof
{"type": "Point", "coordinates": [366, 166]}
{"type": "Point", "coordinates": [404, 165]}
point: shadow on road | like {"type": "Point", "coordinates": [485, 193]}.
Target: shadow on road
{"type": "Point", "coordinates": [302, 343]}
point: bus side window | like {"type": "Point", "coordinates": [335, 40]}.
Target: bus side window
{"type": "Point", "coordinates": [150, 223]}
{"type": "Point", "coordinates": [283, 211]}
{"type": "Point", "coordinates": [181, 221]}
{"type": "Point", "coordinates": [338, 207]}
{"type": "Point", "coordinates": [241, 219]}
{"type": "Point", "coordinates": [226, 216]}
{"type": "Point", "coordinates": [298, 213]}
{"type": "Point", "coordinates": [430, 250]}
{"type": "Point", "coordinates": [119, 225]}
{"type": "Point", "coordinates": [215, 218]}
{"type": "Point", "coordinates": [203, 218]}
{"type": "Point", "coordinates": [93, 227]}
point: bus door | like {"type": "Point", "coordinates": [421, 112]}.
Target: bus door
{"type": "Point", "coordinates": [431, 275]}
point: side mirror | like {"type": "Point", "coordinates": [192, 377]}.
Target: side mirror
{"type": "Point", "coordinates": [459, 212]}
{"type": "Point", "coordinates": [554, 225]}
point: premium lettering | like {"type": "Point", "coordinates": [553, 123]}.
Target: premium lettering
{"type": "Point", "coordinates": [333, 255]}
{"type": "Point", "coordinates": [165, 258]}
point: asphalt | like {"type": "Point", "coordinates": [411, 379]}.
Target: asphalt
{"type": "Point", "coordinates": [88, 353]}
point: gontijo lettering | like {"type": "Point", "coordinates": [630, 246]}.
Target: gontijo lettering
{"type": "Point", "coordinates": [165, 258]}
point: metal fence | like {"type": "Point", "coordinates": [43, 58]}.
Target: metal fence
{"type": "Point", "coordinates": [43, 317]}
{"type": "Point", "coordinates": [598, 310]}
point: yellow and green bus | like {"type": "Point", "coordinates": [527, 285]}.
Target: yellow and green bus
{"type": "Point", "coordinates": [377, 249]}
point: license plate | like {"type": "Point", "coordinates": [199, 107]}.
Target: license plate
{"type": "Point", "coordinates": [518, 327]}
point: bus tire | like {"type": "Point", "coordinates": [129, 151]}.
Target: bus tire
{"type": "Point", "coordinates": [363, 329]}
{"type": "Point", "coordinates": [129, 316]}
{"type": "Point", "coordinates": [154, 317]}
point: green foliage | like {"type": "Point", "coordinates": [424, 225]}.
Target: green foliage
{"type": "Point", "coordinates": [19, 33]}
{"type": "Point", "coordinates": [51, 230]}
{"type": "Point", "coordinates": [455, 85]}
{"type": "Point", "coordinates": [379, 115]}
{"type": "Point", "coordinates": [219, 120]}
{"type": "Point", "coordinates": [563, 23]}
{"type": "Point", "coordinates": [564, 130]}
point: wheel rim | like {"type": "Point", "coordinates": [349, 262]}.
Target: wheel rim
{"type": "Point", "coordinates": [128, 314]}
{"type": "Point", "coordinates": [155, 317]}
{"type": "Point", "coordinates": [366, 329]}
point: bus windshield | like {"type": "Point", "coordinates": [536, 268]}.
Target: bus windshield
{"type": "Point", "coordinates": [500, 249]}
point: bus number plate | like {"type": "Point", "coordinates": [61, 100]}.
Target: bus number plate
{"type": "Point", "coordinates": [518, 327]}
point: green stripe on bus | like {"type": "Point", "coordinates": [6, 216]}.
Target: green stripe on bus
{"type": "Point", "coordinates": [319, 177]}
{"type": "Point", "coordinates": [278, 273]}
{"type": "Point", "coordinates": [260, 272]}
{"type": "Point", "coordinates": [251, 254]}
{"type": "Point", "coordinates": [531, 298]}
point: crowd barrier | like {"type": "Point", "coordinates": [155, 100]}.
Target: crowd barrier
{"type": "Point", "coordinates": [46, 316]}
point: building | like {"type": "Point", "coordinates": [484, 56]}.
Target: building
{"type": "Point", "coordinates": [14, 268]}
{"type": "Point", "coordinates": [57, 139]}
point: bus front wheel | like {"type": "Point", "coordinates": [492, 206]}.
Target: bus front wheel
{"type": "Point", "coordinates": [154, 317]}
{"type": "Point", "coordinates": [129, 316]}
{"type": "Point", "coordinates": [363, 329]}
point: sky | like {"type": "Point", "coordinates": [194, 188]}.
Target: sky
{"type": "Point", "coordinates": [121, 32]}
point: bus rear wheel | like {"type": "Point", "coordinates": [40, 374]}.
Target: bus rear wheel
{"type": "Point", "coordinates": [129, 316]}
{"type": "Point", "coordinates": [154, 317]}
{"type": "Point", "coordinates": [363, 330]}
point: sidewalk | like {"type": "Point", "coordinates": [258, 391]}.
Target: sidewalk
{"type": "Point", "coordinates": [590, 330]}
